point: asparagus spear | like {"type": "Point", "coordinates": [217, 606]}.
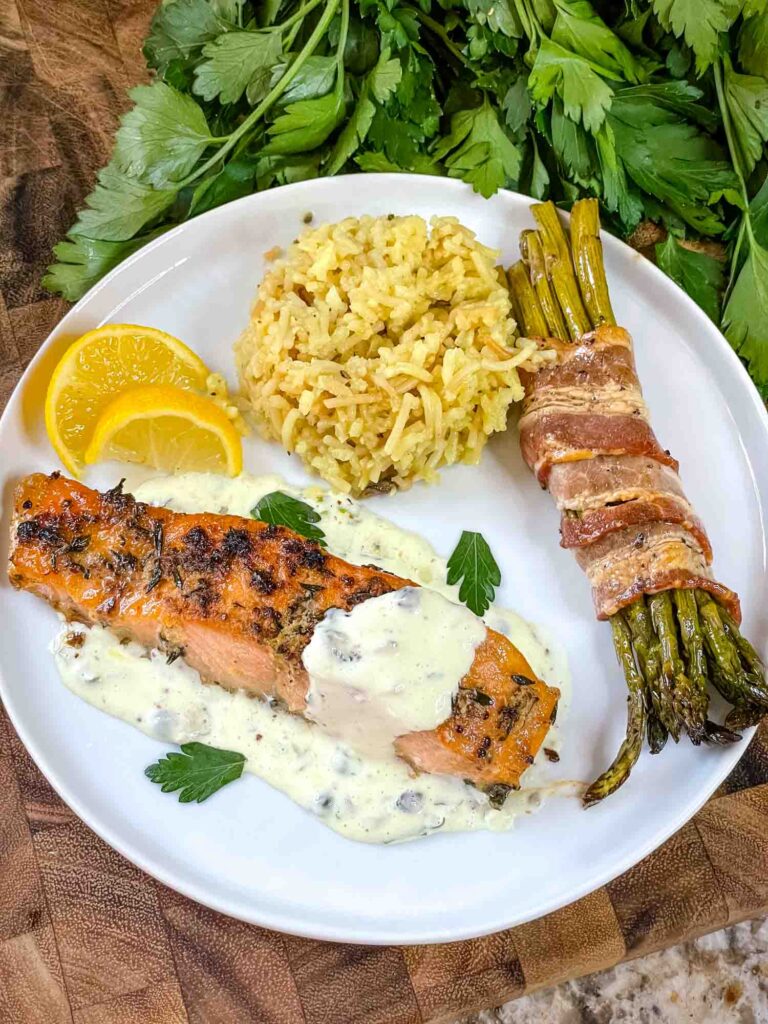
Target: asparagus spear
{"type": "Point", "coordinates": [671, 645]}
{"type": "Point", "coordinates": [738, 684]}
{"type": "Point", "coordinates": [526, 305]}
{"type": "Point", "coordinates": [688, 707]}
{"type": "Point", "coordinates": [588, 260]}
{"type": "Point", "coordinates": [648, 650]}
{"type": "Point", "coordinates": [696, 661]}
{"type": "Point", "coordinates": [656, 732]}
{"type": "Point", "coordinates": [629, 751]}
{"type": "Point", "coordinates": [754, 669]}
{"type": "Point", "coordinates": [746, 650]}
{"type": "Point", "coordinates": [533, 255]}
{"type": "Point", "coordinates": [559, 268]}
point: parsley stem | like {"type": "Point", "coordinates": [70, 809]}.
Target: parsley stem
{"type": "Point", "coordinates": [343, 29]}
{"type": "Point", "coordinates": [289, 39]}
{"type": "Point", "coordinates": [299, 15]}
{"type": "Point", "coordinates": [746, 221]}
{"type": "Point", "coordinates": [275, 92]}
{"type": "Point", "coordinates": [437, 29]}
{"type": "Point", "coordinates": [529, 21]}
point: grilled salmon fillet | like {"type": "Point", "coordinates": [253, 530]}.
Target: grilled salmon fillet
{"type": "Point", "coordinates": [239, 600]}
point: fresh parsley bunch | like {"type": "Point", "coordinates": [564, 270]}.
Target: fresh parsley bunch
{"type": "Point", "coordinates": [658, 107]}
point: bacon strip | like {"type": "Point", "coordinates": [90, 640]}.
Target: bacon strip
{"type": "Point", "coordinates": [571, 437]}
{"type": "Point", "coordinates": [607, 480]}
{"type": "Point", "coordinates": [577, 531]}
{"type": "Point", "coordinates": [585, 433]}
{"type": "Point", "coordinates": [647, 559]}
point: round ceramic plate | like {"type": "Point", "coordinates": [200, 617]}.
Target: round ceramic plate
{"type": "Point", "coordinates": [250, 852]}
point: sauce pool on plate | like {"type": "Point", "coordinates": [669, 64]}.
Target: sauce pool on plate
{"type": "Point", "coordinates": [391, 665]}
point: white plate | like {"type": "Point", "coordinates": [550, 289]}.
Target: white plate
{"type": "Point", "coordinates": [250, 852]}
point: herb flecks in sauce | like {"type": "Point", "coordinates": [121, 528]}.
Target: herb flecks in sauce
{"type": "Point", "coordinates": [389, 667]}
{"type": "Point", "coordinates": [363, 798]}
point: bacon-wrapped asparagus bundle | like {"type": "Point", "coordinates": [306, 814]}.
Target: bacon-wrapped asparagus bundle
{"type": "Point", "coordinates": [585, 433]}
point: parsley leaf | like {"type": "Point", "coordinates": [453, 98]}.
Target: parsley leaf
{"type": "Point", "coordinates": [119, 207]}
{"type": "Point", "coordinates": [379, 84]}
{"type": "Point", "coordinates": [411, 116]}
{"type": "Point", "coordinates": [499, 17]}
{"type": "Point", "coordinates": [753, 43]}
{"type": "Point", "coordinates": [81, 262]}
{"type": "Point", "coordinates": [699, 22]}
{"type": "Point", "coordinates": [618, 195]}
{"type": "Point", "coordinates": [517, 104]}
{"type": "Point", "coordinates": [234, 180]}
{"type": "Point", "coordinates": [745, 317]}
{"type": "Point", "coordinates": [747, 99]}
{"type": "Point", "coordinates": [669, 158]}
{"type": "Point", "coordinates": [361, 48]}
{"type": "Point", "coordinates": [758, 215]}
{"type": "Point", "coordinates": [198, 771]}
{"type": "Point", "coordinates": [315, 78]}
{"type": "Point", "coordinates": [681, 98]}
{"type": "Point", "coordinates": [180, 29]}
{"type": "Point", "coordinates": [281, 509]}
{"type": "Point", "coordinates": [573, 147]}
{"type": "Point", "coordinates": [560, 97]}
{"type": "Point", "coordinates": [479, 151]}
{"type": "Point", "coordinates": [373, 160]}
{"type": "Point", "coordinates": [236, 61]}
{"type": "Point", "coordinates": [579, 29]}
{"type": "Point", "coordinates": [399, 26]}
{"type": "Point", "coordinates": [545, 13]}
{"type": "Point", "coordinates": [283, 170]}
{"type": "Point", "coordinates": [585, 96]}
{"type": "Point", "coordinates": [353, 133]}
{"type": "Point", "coordinates": [162, 137]}
{"type": "Point", "coordinates": [306, 124]}
{"type": "Point", "coordinates": [538, 185]}
{"type": "Point", "coordinates": [700, 275]}
{"type": "Point", "coordinates": [385, 77]}
{"type": "Point", "coordinates": [473, 563]}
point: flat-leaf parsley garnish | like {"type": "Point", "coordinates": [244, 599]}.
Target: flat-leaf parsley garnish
{"type": "Point", "coordinates": [656, 107]}
{"type": "Point", "coordinates": [280, 509]}
{"type": "Point", "coordinates": [198, 771]}
{"type": "Point", "coordinates": [473, 563]}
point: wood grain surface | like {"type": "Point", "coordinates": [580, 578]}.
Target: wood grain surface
{"type": "Point", "coordinates": [85, 937]}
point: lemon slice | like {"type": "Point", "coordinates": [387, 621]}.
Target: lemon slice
{"type": "Point", "coordinates": [169, 429]}
{"type": "Point", "coordinates": [100, 366]}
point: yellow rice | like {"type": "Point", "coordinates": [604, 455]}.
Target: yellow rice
{"type": "Point", "coordinates": [381, 348]}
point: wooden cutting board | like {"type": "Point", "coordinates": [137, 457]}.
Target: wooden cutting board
{"type": "Point", "coordinates": [85, 937]}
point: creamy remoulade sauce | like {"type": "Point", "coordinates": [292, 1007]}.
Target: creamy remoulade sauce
{"type": "Point", "coordinates": [390, 666]}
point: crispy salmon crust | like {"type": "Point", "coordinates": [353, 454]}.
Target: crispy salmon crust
{"type": "Point", "coordinates": [239, 600]}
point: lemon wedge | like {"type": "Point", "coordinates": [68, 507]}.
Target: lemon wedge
{"type": "Point", "coordinates": [169, 429]}
{"type": "Point", "coordinates": [101, 365]}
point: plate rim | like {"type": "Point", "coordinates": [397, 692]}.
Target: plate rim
{"type": "Point", "coordinates": [700, 324]}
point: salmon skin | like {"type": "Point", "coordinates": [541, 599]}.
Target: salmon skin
{"type": "Point", "coordinates": [239, 599]}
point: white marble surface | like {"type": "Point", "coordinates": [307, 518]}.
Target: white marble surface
{"type": "Point", "coordinates": [721, 978]}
